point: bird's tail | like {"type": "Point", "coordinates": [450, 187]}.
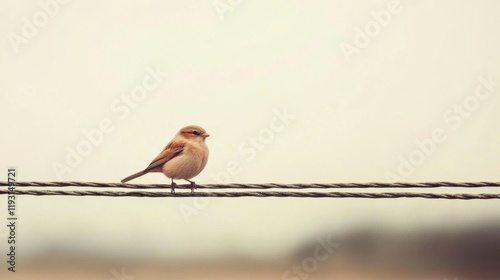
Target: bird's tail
{"type": "Point", "coordinates": [133, 176]}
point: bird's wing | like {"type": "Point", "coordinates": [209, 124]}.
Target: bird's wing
{"type": "Point", "coordinates": [172, 150]}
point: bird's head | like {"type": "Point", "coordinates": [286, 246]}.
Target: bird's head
{"type": "Point", "coordinates": [193, 132]}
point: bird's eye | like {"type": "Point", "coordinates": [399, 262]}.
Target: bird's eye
{"type": "Point", "coordinates": [195, 132]}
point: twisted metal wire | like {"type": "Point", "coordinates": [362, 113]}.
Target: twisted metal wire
{"type": "Point", "coordinates": [256, 194]}
{"type": "Point", "coordinates": [261, 186]}
{"type": "Point", "coordinates": [45, 191]}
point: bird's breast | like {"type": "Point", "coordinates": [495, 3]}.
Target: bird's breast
{"type": "Point", "coordinates": [188, 164]}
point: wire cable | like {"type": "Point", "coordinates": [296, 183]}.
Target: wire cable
{"type": "Point", "coordinates": [261, 186]}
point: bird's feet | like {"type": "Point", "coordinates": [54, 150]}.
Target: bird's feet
{"type": "Point", "coordinates": [172, 187]}
{"type": "Point", "coordinates": [193, 186]}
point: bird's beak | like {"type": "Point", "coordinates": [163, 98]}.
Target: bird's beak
{"type": "Point", "coordinates": [205, 135]}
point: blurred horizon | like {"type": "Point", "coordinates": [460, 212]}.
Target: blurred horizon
{"type": "Point", "coordinates": [471, 252]}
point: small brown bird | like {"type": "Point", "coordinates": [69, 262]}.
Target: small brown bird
{"type": "Point", "coordinates": [183, 158]}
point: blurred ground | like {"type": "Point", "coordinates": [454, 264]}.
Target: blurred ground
{"type": "Point", "coordinates": [366, 253]}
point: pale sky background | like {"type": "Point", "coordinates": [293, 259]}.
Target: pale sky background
{"type": "Point", "coordinates": [352, 120]}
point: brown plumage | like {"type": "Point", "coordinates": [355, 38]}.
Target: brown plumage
{"type": "Point", "coordinates": [183, 158]}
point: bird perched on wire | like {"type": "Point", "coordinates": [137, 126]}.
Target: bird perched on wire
{"type": "Point", "coordinates": [183, 158]}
